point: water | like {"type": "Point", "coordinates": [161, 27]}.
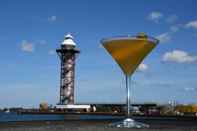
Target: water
{"type": "Point", "coordinates": [9, 117]}
{"type": "Point", "coordinates": [10, 121]}
{"type": "Point", "coordinates": [12, 116]}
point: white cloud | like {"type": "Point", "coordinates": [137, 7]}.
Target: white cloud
{"type": "Point", "coordinates": [142, 67]}
{"type": "Point", "coordinates": [167, 36]}
{"type": "Point", "coordinates": [192, 24]}
{"type": "Point", "coordinates": [189, 89]}
{"type": "Point", "coordinates": [42, 42]}
{"type": "Point", "coordinates": [172, 19]}
{"type": "Point", "coordinates": [163, 38]}
{"type": "Point", "coordinates": [175, 28]}
{"type": "Point", "coordinates": [155, 16]}
{"type": "Point", "coordinates": [52, 18]}
{"type": "Point", "coordinates": [27, 46]}
{"type": "Point", "coordinates": [178, 56]}
{"type": "Point", "coordinates": [51, 52]}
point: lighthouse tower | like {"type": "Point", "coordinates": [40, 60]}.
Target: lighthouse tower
{"type": "Point", "coordinates": [67, 53]}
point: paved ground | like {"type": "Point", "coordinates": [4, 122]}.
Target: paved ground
{"type": "Point", "coordinates": [94, 126]}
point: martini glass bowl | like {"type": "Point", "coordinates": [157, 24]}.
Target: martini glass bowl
{"type": "Point", "coordinates": [129, 52]}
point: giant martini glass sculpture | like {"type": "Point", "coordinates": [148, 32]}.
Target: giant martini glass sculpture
{"type": "Point", "coordinates": [129, 52]}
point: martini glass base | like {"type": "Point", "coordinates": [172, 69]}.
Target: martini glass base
{"type": "Point", "coordinates": [129, 123]}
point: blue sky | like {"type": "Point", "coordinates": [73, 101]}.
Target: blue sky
{"type": "Point", "coordinates": [30, 31]}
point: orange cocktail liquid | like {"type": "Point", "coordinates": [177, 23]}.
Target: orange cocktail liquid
{"type": "Point", "coordinates": [129, 53]}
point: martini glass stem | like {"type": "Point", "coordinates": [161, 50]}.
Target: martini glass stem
{"type": "Point", "coordinates": [128, 95]}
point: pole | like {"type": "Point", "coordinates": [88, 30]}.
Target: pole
{"type": "Point", "coordinates": [128, 96]}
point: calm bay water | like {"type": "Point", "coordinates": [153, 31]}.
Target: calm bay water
{"type": "Point", "coordinates": [9, 117]}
